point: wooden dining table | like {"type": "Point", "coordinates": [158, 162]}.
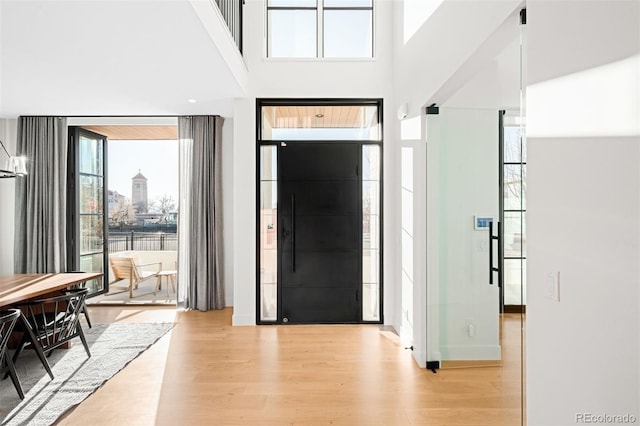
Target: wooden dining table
{"type": "Point", "coordinates": [21, 287]}
{"type": "Point", "coordinates": [18, 288]}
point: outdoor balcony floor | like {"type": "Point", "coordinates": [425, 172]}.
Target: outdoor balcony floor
{"type": "Point", "coordinates": [143, 295]}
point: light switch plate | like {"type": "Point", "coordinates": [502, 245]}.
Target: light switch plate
{"type": "Point", "coordinates": [552, 286]}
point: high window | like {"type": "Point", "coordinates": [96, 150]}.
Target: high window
{"type": "Point", "coordinates": [320, 28]}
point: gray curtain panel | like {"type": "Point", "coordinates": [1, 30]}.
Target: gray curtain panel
{"type": "Point", "coordinates": [41, 202]}
{"type": "Point", "coordinates": [203, 240]}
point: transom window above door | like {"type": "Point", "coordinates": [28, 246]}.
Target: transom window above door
{"type": "Point", "coordinates": [355, 122]}
{"type": "Point", "coordinates": [320, 28]}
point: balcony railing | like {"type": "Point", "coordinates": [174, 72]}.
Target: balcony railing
{"type": "Point", "coordinates": [142, 241]}
{"type": "Point", "coordinates": [232, 13]}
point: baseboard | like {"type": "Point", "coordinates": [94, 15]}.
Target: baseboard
{"type": "Point", "coordinates": [243, 319]}
{"type": "Point", "coordinates": [471, 352]}
{"type": "Point", "coordinates": [470, 363]}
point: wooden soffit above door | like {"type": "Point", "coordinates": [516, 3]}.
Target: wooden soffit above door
{"type": "Point", "coordinates": [136, 132]}
{"type": "Point", "coordinates": [321, 116]}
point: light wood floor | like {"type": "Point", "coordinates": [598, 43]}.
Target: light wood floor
{"type": "Point", "coordinates": [206, 372]}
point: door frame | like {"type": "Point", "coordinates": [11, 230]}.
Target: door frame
{"type": "Point", "coordinates": [310, 102]}
{"type": "Point", "coordinates": [73, 203]}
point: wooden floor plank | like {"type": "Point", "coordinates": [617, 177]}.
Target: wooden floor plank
{"type": "Point", "coordinates": [207, 372]}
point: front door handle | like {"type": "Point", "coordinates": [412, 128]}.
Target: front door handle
{"type": "Point", "coordinates": [293, 232]}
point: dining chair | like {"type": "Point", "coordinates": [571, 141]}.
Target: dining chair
{"type": "Point", "coordinates": [84, 310]}
{"type": "Point", "coordinates": [54, 321]}
{"type": "Point", "coordinates": [8, 321]}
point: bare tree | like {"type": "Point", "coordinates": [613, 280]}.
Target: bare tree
{"type": "Point", "coordinates": [124, 212]}
{"type": "Point", "coordinates": [164, 204]}
{"type": "Point", "coordinates": [515, 175]}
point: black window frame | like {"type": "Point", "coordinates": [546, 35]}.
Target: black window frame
{"type": "Point", "coordinates": [320, 28]}
{"type": "Point", "coordinates": [266, 102]}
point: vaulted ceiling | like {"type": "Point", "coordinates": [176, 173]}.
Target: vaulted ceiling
{"type": "Point", "coordinates": [95, 57]}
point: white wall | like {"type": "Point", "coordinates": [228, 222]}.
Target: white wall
{"type": "Point", "coordinates": [153, 57]}
{"type": "Point", "coordinates": [244, 210]}
{"type": "Point", "coordinates": [583, 213]}
{"type": "Point", "coordinates": [445, 42]}
{"type": "Point", "coordinates": [411, 212]}
{"type": "Point", "coordinates": [305, 79]}
{"type": "Point", "coordinates": [8, 135]}
{"type": "Point", "coordinates": [496, 85]}
{"type": "Point", "coordinates": [227, 207]}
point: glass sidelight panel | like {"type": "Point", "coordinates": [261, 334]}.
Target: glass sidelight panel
{"type": "Point", "coordinates": [371, 162]}
{"type": "Point", "coordinates": [371, 232]}
{"type": "Point", "coordinates": [268, 233]}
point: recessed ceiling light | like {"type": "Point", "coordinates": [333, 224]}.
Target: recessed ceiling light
{"type": "Point", "coordinates": [319, 115]}
{"type": "Point", "coordinates": [191, 101]}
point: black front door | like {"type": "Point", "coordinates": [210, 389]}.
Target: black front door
{"type": "Point", "coordinates": [321, 232]}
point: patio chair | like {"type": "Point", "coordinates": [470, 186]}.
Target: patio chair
{"type": "Point", "coordinates": [129, 268]}
{"type": "Point", "coordinates": [54, 321]}
{"type": "Point", "coordinates": [8, 321]}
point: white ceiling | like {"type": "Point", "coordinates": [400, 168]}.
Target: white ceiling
{"type": "Point", "coordinates": [490, 77]}
{"type": "Point", "coordinates": [145, 57]}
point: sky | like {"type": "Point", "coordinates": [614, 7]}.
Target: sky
{"type": "Point", "coordinates": [156, 160]}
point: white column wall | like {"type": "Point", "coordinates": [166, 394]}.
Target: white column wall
{"type": "Point", "coordinates": [227, 207]}
{"type": "Point", "coordinates": [244, 212]}
{"type": "Point", "coordinates": [411, 213]}
{"type": "Point", "coordinates": [583, 211]}
{"type": "Point", "coordinates": [8, 135]}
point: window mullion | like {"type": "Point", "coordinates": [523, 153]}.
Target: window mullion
{"type": "Point", "coordinates": [320, 30]}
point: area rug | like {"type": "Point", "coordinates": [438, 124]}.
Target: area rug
{"type": "Point", "coordinates": [112, 347]}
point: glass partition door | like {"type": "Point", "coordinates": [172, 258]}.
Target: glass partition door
{"type": "Point", "coordinates": [462, 230]}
